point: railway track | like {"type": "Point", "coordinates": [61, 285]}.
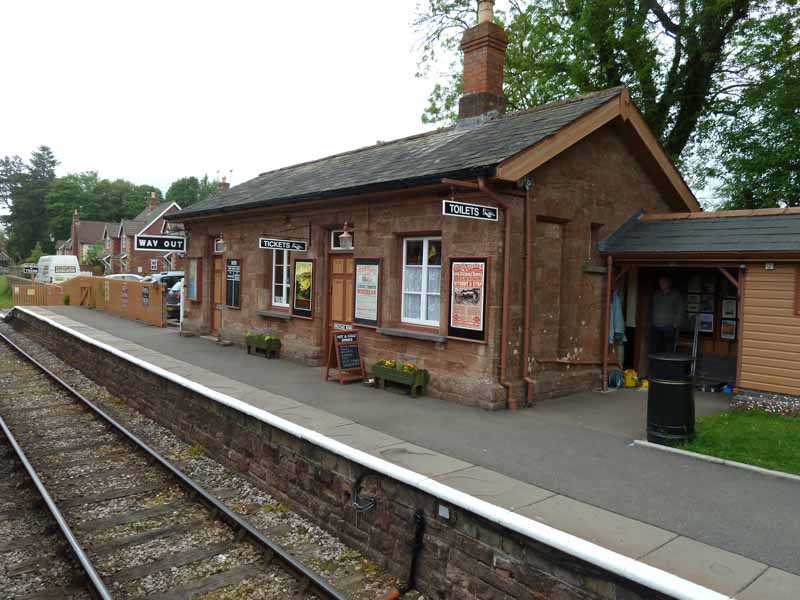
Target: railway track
{"type": "Point", "coordinates": [87, 478]}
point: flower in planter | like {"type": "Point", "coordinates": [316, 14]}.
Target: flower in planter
{"type": "Point", "coordinates": [391, 364]}
{"type": "Point", "coordinates": [409, 368]}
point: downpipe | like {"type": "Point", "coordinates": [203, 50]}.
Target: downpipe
{"type": "Point", "coordinates": [416, 547]}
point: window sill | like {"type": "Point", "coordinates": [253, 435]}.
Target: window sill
{"type": "Point", "coordinates": [414, 335]}
{"type": "Point", "coordinates": [274, 314]}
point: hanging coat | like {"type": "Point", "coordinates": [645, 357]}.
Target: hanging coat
{"type": "Point", "coordinates": [616, 329]}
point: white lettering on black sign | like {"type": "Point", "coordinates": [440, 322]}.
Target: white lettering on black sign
{"type": "Point", "coordinates": [160, 243]}
{"type": "Point", "coordinates": [275, 244]}
{"type": "Point", "coordinates": [30, 268]}
{"type": "Point", "coordinates": [451, 208]}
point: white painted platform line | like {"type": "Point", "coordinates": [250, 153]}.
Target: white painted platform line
{"type": "Point", "coordinates": [628, 568]}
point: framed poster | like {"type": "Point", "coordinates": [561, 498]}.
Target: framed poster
{"type": "Point", "coordinates": [468, 298]}
{"type": "Point", "coordinates": [367, 292]}
{"type": "Point", "coordinates": [693, 298]}
{"type": "Point", "coordinates": [193, 280]}
{"type": "Point", "coordinates": [303, 289]}
{"type": "Point", "coordinates": [706, 322]}
{"type": "Point", "coordinates": [729, 308]}
{"type": "Point", "coordinates": [233, 283]}
{"type": "Point", "coordinates": [727, 330]}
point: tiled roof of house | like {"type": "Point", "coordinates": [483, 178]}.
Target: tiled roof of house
{"type": "Point", "coordinates": [462, 149]}
{"type": "Point", "coordinates": [90, 232]}
{"type": "Point", "coordinates": [143, 219]}
{"type": "Point", "coordinates": [775, 230]}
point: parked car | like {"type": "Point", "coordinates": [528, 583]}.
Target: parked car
{"type": "Point", "coordinates": [125, 276]}
{"type": "Point", "coordinates": [173, 300]}
{"type": "Point", "coordinates": [168, 278]}
{"type": "Point", "coordinates": [57, 268]}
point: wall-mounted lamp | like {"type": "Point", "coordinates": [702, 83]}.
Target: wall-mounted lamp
{"type": "Point", "coordinates": [346, 238]}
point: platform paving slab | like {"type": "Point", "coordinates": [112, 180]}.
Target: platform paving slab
{"type": "Point", "coordinates": [721, 571]}
{"type": "Point", "coordinates": [362, 438]}
{"type": "Point", "coordinates": [602, 527]}
{"type": "Point", "coordinates": [773, 584]}
{"type": "Point", "coordinates": [592, 466]}
{"type": "Point", "coordinates": [312, 418]}
{"type": "Point", "coordinates": [494, 487]}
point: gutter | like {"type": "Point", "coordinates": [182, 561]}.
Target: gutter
{"type": "Point", "coordinates": [603, 558]}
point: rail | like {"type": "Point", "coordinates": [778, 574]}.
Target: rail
{"type": "Point", "coordinates": [311, 580]}
{"type": "Point", "coordinates": [98, 587]}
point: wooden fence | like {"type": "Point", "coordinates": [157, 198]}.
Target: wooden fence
{"type": "Point", "coordinates": [128, 299]}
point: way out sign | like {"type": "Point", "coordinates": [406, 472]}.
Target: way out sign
{"type": "Point", "coordinates": [451, 208]}
{"type": "Point", "coordinates": [160, 243]}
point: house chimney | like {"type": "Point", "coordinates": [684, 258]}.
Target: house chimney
{"type": "Point", "coordinates": [484, 48]}
{"type": "Point", "coordinates": [224, 186]}
{"type": "Point", "coordinates": [153, 200]}
{"type": "Point", "coordinates": [73, 234]}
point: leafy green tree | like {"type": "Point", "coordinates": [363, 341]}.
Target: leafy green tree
{"type": "Point", "coordinates": [758, 134]}
{"type": "Point", "coordinates": [94, 253]}
{"type": "Point", "coordinates": [67, 194]}
{"type": "Point", "coordinates": [23, 188]}
{"type": "Point", "coordinates": [188, 190]}
{"type": "Point", "coordinates": [687, 63]}
{"type": "Point", "coordinates": [35, 254]}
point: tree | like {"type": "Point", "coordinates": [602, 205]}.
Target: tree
{"type": "Point", "coordinates": [65, 195]}
{"type": "Point", "coordinates": [35, 254]}
{"type": "Point", "coordinates": [677, 58]}
{"type": "Point", "coordinates": [188, 190]}
{"type": "Point", "coordinates": [94, 253]}
{"type": "Point", "coordinates": [23, 188]}
{"type": "Point", "coordinates": [758, 136]}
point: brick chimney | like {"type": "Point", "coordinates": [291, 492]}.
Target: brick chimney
{"type": "Point", "coordinates": [153, 200]}
{"type": "Point", "coordinates": [73, 233]}
{"type": "Point", "coordinates": [484, 48]}
{"type": "Point", "coordinates": [224, 186]}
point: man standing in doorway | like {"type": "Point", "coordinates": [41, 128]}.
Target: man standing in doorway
{"type": "Point", "coordinates": [667, 314]}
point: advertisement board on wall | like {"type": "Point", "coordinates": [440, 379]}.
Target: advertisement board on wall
{"type": "Point", "coordinates": [367, 293]}
{"type": "Point", "coordinates": [468, 298]}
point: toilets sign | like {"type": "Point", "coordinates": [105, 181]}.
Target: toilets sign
{"type": "Point", "coordinates": [160, 243]}
{"type": "Point", "coordinates": [451, 208]}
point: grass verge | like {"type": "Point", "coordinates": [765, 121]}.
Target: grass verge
{"type": "Point", "coordinates": [753, 437]}
{"type": "Point", "coordinates": [5, 292]}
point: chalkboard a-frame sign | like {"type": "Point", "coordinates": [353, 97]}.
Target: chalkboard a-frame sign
{"type": "Point", "coordinates": [344, 355]}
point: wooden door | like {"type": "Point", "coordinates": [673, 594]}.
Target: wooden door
{"type": "Point", "coordinates": [217, 295]}
{"type": "Point", "coordinates": [341, 278]}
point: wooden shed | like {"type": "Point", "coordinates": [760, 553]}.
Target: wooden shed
{"type": "Point", "coordinates": [747, 301]}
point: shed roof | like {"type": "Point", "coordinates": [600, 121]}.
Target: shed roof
{"type": "Point", "coordinates": [460, 150]}
{"type": "Point", "coordinates": [772, 230]}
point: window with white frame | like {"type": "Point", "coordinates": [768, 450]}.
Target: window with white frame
{"type": "Point", "coordinates": [280, 278]}
{"type": "Point", "coordinates": [219, 245]}
{"type": "Point", "coordinates": [154, 264]}
{"type": "Point", "coordinates": [336, 242]}
{"type": "Point", "coordinates": [422, 280]}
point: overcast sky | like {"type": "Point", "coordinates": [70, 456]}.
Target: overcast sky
{"type": "Point", "coordinates": [153, 91]}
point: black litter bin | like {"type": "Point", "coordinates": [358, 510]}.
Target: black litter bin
{"type": "Point", "coordinates": [670, 399]}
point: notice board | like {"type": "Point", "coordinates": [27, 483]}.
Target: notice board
{"type": "Point", "coordinates": [233, 283]}
{"type": "Point", "coordinates": [344, 355]}
{"type": "Point", "coordinates": [468, 298]}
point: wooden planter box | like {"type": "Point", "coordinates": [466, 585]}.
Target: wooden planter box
{"type": "Point", "coordinates": [270, 348]}
{"type": "Point", "coordinates": [416, 380]}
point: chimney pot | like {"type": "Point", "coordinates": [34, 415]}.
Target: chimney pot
{"type": "Point", "coordinates": [485, 11]}
{"type": "Point", "coordinates": [153, 200]}
{"type": "Point", "coordinates": [224, 186]}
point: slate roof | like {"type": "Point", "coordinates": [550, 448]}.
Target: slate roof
{"type": "Point", "coordinates": [90, 232]}
{"type": "Point", "coordinates": [143, 219]}
{"type": "Point", "coordinates": [469, 148]}
{"type": "Point", "coordinates": [113, 229]}
{"type": "Point", "coordinates": [778, 232]}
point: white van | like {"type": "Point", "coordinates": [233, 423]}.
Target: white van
{"type": "Point", "coordinates": [58, 268]}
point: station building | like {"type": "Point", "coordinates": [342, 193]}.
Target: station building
{"type": "Point", "coordinates": [470, 251]}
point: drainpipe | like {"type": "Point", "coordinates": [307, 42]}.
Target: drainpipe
{"type": "Point", "coordinates": [607, 318]}
{"type": "Point", "coordinates": [512, 404]}
{"type": "Point", "coordinates": [530, 214]}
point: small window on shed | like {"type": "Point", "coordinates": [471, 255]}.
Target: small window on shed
{"type": "Point", "coordinates": [219, 245]}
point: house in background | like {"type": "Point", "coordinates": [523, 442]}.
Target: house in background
{"type": "Point", "coordinates": [84, 235]}
{"type": "Point", "coordinates": [122, 241]}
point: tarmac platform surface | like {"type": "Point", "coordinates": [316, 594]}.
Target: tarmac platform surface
{"type": "Point", "coordinates": [567, 462]}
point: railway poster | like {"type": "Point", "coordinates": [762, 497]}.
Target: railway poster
{"type": "Point", "coordinates": [468, 298]}
{"type": "Point", "coordinates": [366, 297]}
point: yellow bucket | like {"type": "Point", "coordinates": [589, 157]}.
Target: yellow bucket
{"type": "Point", "coordinates": [631, 378]}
